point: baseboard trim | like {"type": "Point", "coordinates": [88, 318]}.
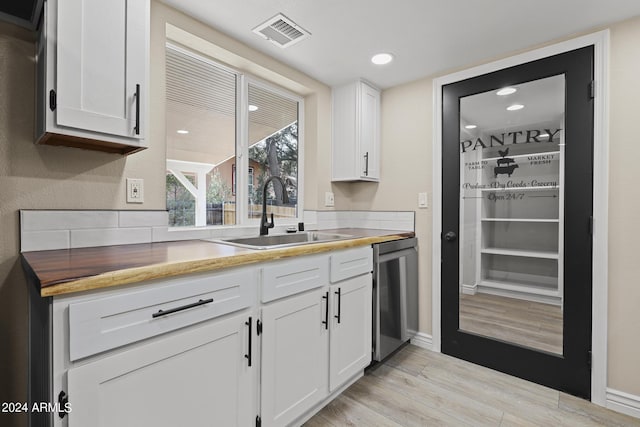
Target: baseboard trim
{"type": "Point", "coordinates": [470, 289]}
{"type": "Point", "coordinates": [626, 403]}
{"type": "Point", "coordinates": [423, 340]}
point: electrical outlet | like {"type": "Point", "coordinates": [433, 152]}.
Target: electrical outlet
{"type": "Point", "coordinates": [422, 200]}
{"type": "Point", "coordinates": [135, 190]}
{"type": "Point", "coordinates": [328, 199]}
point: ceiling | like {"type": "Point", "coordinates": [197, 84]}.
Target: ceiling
{"type": "Point", "coordinates": [543, 107]}
{"type": "Point", "coordinates": [427, 37]}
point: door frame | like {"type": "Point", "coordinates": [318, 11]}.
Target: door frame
{"type": "Point", "coordinates": [600, 41]}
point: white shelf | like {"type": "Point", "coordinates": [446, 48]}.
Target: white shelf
{"type": "Point", "coordinates": [528, 288]}
{"type": "Point", "coordinates": [521, 253]}
{"type": "Point", "coordinates": [543, 220]}
{"type": "Point", "coordinates": [520, 156]}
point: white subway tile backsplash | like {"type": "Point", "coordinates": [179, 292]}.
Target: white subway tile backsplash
{"type": "Point", "coordinates": [310, 217]}
{"type": "Point", "coordinates": [109, 236]}
{"type": "Point", "coordinates": [389, 220]}
{"type": "Point", "coordinates": [143, 218]}
{"type": "Point", "coordinates": [67, 220]}
{"type": "Point", "coordinates": [53, 229]}
{"type": "Point", "coordinates": [396, 225]}
{"type": "Point", "coordinates": [164, 234]}
{"type": "Point", "coordinates": [44, 240]}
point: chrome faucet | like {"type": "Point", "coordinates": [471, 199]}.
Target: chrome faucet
{"type": "Point", "coordinates": [265, 225]}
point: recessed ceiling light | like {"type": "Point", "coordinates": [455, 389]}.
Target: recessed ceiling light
{"type": "Point", "coordinates": [382, 58]}
{"type": "Point", "coordinates": [470, 126]}
{"type": "Point", "coordinates": [182, 131]}
{"type": "Point", "coordinates": [253, 107]}
{"type": "Point", "coordinates": [515, 107]}
{"type": "Point", "coordinates": [506, 91]}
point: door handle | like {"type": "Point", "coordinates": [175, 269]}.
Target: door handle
{"type": "Point", "coordinates": [450, 236]}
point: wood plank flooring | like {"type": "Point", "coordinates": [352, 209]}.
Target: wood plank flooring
{"type": "Point", "coordinates": [527, 323]}
{"type": "Point", "coordinates": [417, 387]}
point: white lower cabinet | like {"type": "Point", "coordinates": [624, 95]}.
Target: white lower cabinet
{"type": "Point", "coordinates": [315, 342]}
{"type": "Point", "coordinates": [294, 357]}
{"type": "Point", "coordinates": [198, 377]}
{"type": "Point", "coordinates": [201, 350]}
{"type": "Point", "coordinates": [350, 342]}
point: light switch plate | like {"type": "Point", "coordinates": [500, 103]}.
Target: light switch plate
{"type": "Point", "coordinates": [328, 199]}
{"type": "Point", "coordinates": [423, 200]}
{"type": "Point", "coordinates": [135, 190]}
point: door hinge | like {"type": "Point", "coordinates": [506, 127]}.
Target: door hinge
{"type": "Point", "coordinates": [258, 421]}
{"type": "Point", "coordinates": [259, 327]}
{"type": "Point", "coordinates": [53, 100]}
{"type": "Point", "coordinates": [591, 225]}
{"type": "Point", "coordinates": [592, 89]}
{"type": "Point", "coordinates": [63, 404]}
{"type": "Point", "coordinates": [589, 358]}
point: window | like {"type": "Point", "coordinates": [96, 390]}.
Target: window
{"type": "Point", "coordinates": [221, 150]}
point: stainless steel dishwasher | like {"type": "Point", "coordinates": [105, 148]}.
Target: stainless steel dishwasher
{"type": "Point", "coordinates": [395, 295]}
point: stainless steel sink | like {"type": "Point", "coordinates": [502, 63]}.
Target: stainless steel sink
{"type": "Point", "coordinates": [282, 240]}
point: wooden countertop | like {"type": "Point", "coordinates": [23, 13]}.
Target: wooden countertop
{"type": "Point", "coordinates": [74, 270]}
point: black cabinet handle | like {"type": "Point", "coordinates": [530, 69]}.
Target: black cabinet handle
{"type": "Point", "coordinates": [63, 401]}
{"type": "Point", "coordinates": [339, 301]}
{"type": "Point", "coordinates": [137, 96]}
{"type": "Point", "coordinates": [184, 307]}
{"type": "Point", "coordinates": [248, 356]}
{"type": "Point", "coordinates": [325, 322]}
{"type": "Point", "coordinates": [366, 164]}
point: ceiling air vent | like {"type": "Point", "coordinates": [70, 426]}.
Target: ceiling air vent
{"type": "Point", "coordinates": [281, 31]}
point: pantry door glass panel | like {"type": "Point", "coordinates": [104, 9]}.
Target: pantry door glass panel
{"type": "Point", "coordinates": [511, 213]}
{"type": "Point", "coordinates": [517, 204]}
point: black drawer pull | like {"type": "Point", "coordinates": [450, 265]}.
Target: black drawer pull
{"type": "Point", "coordinates": [184, 307]}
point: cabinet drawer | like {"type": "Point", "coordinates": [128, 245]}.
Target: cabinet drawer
{"type": "Point", "coordinates": [104, 323]}
{"type": "Point", "coordinates": [351, 263]}
{"type": "Point", "coordinates": [294, 275]}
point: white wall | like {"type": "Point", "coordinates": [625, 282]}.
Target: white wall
{"type": "Point", "coordinates": [624, 209]}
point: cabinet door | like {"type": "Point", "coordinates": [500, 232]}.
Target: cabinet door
{"type": "Point", "coordinates": [199, 377]}
{"type": "Point", "coordinates": [350, 343]}
{"type": "Point", "coordinates": [369, 129]}
{"type": "Point", "coordinates": [101, 57]}
{"type": "Point", "coordinates": [294, 357]}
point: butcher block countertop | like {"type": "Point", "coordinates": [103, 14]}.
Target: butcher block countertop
{"type": "Point", "coordinates": [66, 271]}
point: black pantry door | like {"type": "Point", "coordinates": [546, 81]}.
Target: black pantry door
{"type": "Point", "coordinates": [517, 161]}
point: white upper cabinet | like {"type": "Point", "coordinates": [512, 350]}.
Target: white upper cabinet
{"type": "Point", "coordinates": [356, 133]}
{"type": "Point", "coordinates": [93, 74]}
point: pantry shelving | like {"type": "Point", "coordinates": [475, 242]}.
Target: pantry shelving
{"type": "Point", "coordinates": [512, 221]}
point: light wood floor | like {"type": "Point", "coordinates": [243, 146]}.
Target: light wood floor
{"type": "Point", "coordinates": [528, 323]}
{"type": "Point", "coordinates": [417, 387]}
